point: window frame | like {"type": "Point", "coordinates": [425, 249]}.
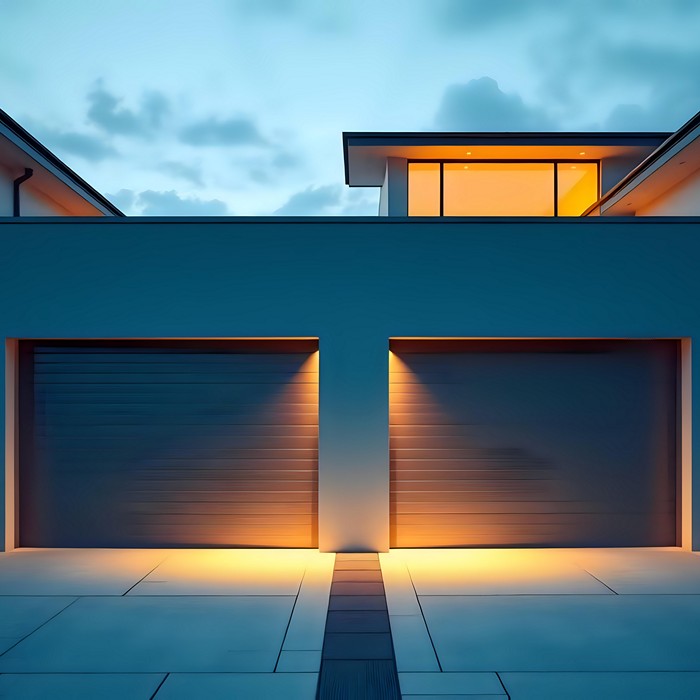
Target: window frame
{"type": "Point", "coordinates": [553, 161]}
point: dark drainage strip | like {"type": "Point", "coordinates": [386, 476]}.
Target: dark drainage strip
{"type": "Point", "coordinates": [358, 659]}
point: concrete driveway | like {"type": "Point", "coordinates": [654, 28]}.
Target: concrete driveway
{"type": "Point", "coordinates": [175, 624]}
{"type": "Point", "coordinates": [534, 624]}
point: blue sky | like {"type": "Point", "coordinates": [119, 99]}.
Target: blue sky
{"type": "Point", "coordinates": [237, 107]}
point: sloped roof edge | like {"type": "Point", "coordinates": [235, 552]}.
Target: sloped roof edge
{"type": "Point", "coordinates": [39, 147]}
{"type": "Point", "coordinates": [677, 136]}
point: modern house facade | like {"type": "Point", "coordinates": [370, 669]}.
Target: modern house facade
{"type": "Point", "coordinates": [502, 357]}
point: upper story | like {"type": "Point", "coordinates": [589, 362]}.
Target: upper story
{"type": "Point", "coordinates": [529, 174]}
{"type": "Point", "coordinates": [34, 182]}
{"type": "Point", "coordinates": [547, 174]}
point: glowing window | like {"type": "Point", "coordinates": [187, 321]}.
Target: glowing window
{"type": "Point", "coordinates": [424, 189]}
{"type": "Point", "coordinates": [577, 187]}
{"type": "Point", "coordinates": [499, 189]}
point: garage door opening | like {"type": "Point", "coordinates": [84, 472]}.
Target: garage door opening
{"type": "Point", "coordinates": [168, 443]}
{"type": "Point", "coordinates": [539, 443]}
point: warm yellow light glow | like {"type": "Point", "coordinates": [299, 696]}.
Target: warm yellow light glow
{"type": "Point", "coordinates": [424, 189]}
{"type": "Point", "coordinates": [469, 153]}
{"type": "Point", "coordinates": [499, 189]}
{"type": "Point", "coordinates": [577, 188]}
{"type": "Point", "coordinates": [510, 571]}
{"type": "Point", "coordinates": [582, 153]}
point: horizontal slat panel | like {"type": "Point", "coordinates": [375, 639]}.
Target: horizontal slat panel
{"type": "Point", "coordinates": [569, 443]}
{"type": "Point", "coordinates": [403, 506]}
{"type": "Point", "coordinates": [147, 379]}
{"type": "Point", "coordinates": [155, 446]}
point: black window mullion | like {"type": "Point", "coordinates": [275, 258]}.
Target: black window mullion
{"type": "Point", "coordinates": [442, 188]}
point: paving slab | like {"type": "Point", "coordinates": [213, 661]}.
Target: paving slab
{"type": "Point", "coordinates": [357, 646]}
{"type": "Point", "coordinates": [400, 595]}
{"type": "Point", "coordinates": [357, 621]}
{"type": "Point", "coordinates": [565, 633]}
{"type": "Point", "coordinates": [19, 616]}
{"type": "Point", "coordinates": [75, 571]}
{"type": "Point", "coordinates": [620, 686]}
{"type": "Point", "coordinates": [412, 646]}
{"type": "Point", "coordinates": [347, 679]}
{"type": "Point", "coordinates": [496, 572]}
{"type": "Point", "coordinates": [228, 572]}
{"type": "Point", "coordinates": [167, 634]}
{"type": "Point", "coordinates": [241, 686]}
{"type": "Point", "coordinates": [357, 602]}
{"type": "Point", "coordinates": [299, 662]}
{"type": "Point", "coordinates": [79, 686]}
{"type": "Point", "coordinates": [642, 570]}
{"type": "Point", "coordinates": [306, 628]}
{"type": "Point", "coordinates": [455, 684]}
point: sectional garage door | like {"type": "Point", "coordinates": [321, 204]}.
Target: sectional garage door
{"type": "Point", "coordinates": [533, 443]}
{"type": "Point", "coordinates": [135, 444]}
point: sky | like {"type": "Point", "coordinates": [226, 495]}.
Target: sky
{"type": "Point", "coordinates": [237, 107]}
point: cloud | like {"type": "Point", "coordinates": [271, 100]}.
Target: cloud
{"type": "Point", "coordinates": [182, 170]}
{"type": "Point", "coordinates": [92, 148]}
{"type": "Point", "coordinates": [286, 161]}
{"type": "Point", "coordinates": [458, 15]}
{"type": "Point", "coordinates": [480, 105]}
{"type": "Point", "coordinates": [331, 200]}
{"type": "Point", "coordinates": [667, 78]}
{"type": "Point", "coordinates": [360, 201]}
{"type": "Point", "coordinates": [235, 131]}
{"type": "Point", "coordinates": [123, 199]}
{"type": "Point", "coordinates": [313, 201]}
{"type": "Point", "coordinates": [268, 8]}
{"type": "Point", "coordinates": [170, 203]}
{"type": "Point", "coordinates": [106, 112]}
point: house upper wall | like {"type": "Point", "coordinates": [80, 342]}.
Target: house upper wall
{"type": "Point", "coordinates": [32, 201]}
{"type": "Point", "coordinates": [354, 283]}
{"type": "Point", "coordinates": [683, 199]}
{"type": "Point", "coordinates": [388, 161]}
{"type": "Point", "coordinates": [53, 188]}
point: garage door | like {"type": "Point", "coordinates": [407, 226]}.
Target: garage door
{"type": "Point", "coordinates": [127, 444]}
{"type": "Point", "coordinates": [533, 443]}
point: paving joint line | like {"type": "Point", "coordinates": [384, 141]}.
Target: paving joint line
{"type": "Point", "coordinates": [601, 582]}
{"type": "Point", "coordinates": [160, 685]}
{"type": "Point", "coordinates": [145, 576]}
{"type": "Point", "coordinates": [422, 614]}
{"type": "Point", "coordinates": [503, 685]}
{"type": "Point", "coordinates": [36, 629]}
{"type": "Point", "coordinates": [289, 622]}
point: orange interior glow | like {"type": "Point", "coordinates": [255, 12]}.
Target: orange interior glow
{"type": "Point", "coordinates": [424, 189]}
{"type": "Point", "coordinates": [578, 187]}
{"type": "Point", "coordinates": [499, 189]}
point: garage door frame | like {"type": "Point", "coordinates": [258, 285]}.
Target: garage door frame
{"type": "Point", "coordinates": [683, 393]}
{"type": "Point", "coordinates": [19, 392]}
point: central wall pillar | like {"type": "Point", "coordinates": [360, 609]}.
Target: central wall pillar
{"type": "Point", "coordinates": [353, 467]}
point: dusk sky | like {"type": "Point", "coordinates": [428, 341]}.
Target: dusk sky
{"type": "Point", "coordinates": [228, 107]}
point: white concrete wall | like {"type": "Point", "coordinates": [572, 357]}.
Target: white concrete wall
{"type": "Point", "coordinates": [397, 184]}
{"type": "Point", "coordinates": [32, 201]}
{"type": "Point", "coordinates": [6, 179]}
{"type": "Point", "coordinates": [384, 194]}
{"type": "Point", "coordinates": [612, 170]}
{"type": "Point", "coordinates": [682, 199]}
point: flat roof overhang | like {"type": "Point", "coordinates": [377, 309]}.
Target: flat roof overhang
{"type": "Point", "coordinates": [365, 153]}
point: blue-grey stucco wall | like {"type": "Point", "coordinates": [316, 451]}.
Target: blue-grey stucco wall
{"type": "Point", "coordinates": [354, 283]}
